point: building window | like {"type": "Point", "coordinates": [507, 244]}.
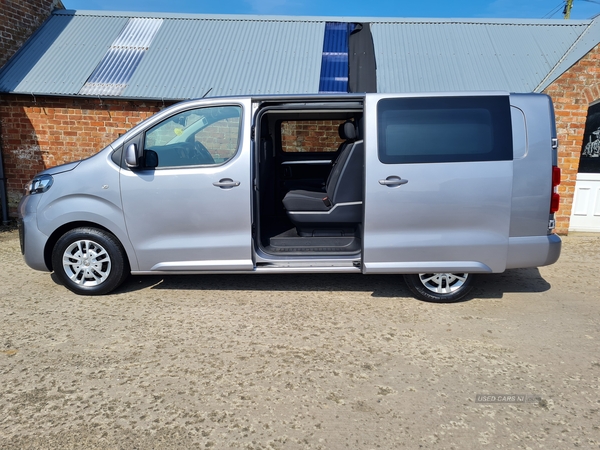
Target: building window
{"type": "Point", "coordinates": [590, 149]}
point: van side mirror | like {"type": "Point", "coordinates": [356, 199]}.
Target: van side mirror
{"type": "Point", "coordinates": [131, 158]}
{"type": "Point", "coordinates": [150, 159]}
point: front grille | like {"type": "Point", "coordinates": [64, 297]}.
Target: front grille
{"type": "Point", "coordinates": [21, 235]}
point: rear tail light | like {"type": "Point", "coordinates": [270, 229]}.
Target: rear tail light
{"type": "Point", "coordinates": [555, 198]}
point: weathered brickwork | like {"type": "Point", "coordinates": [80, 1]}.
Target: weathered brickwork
{"type": "Point", "coordinates": [18, 20]}
{"type": "Point", "coordinates": [572, 94]}
{"type": "Point", "coordinates": [42, 132]}
{"type": "Point", "coordinates": [310, 136]}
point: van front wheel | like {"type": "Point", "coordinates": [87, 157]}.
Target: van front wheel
{"type": "Point", "coordinates": [440, 287]}
{"type": "Point", "coordinates": [89, 261]}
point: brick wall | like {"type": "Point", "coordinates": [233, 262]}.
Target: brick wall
{"type": "Point", "coordinates": [572, 94]}
{"type": "Point", "coordinates": [47, 131]}
{"type": "Point", "coordinates": [310, 135]}
{"type": "Point", "coordinates": [18, 20]}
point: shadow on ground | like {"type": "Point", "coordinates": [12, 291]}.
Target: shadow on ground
{"type": "Point", "coordinates": [487, 286]}
{"type": "Point", "coordinates": [8, 227]}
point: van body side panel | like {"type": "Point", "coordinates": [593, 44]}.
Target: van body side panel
{"type": "Point", "coordinates": [453, 212]}
{"type": "Point", "coordinates": [87, 194]}
{"type": "Point", "coordinates": [533, 158]}
{"type": "Point", "coordinates": [456, 213]}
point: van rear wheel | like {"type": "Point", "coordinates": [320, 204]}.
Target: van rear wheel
{"type": "Point", "coordinates": [440, 287]}
{"type": "Point", "coordinates": [89, 261]}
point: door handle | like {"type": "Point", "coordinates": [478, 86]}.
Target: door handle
{"type": "Point", "coordinates": [226, 183]}
{"type": "Point", "coordinates": [392, 181]}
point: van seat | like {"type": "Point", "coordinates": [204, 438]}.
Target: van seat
{"type": "Point", "coordinates": [341, 203]}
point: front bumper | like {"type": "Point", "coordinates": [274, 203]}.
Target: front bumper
{"type": "Point", "coordinates": [33, 241]}
{"type": "Point", "coordinates": [21, 235]}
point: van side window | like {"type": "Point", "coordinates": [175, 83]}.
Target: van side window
{"type": "Point", "coordinates": [444, 129]}
{"type": "Point", "coordinates": [205, 136]}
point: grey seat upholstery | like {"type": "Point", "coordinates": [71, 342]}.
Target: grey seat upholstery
{"type": "Point", "coordinates": [341, 202]}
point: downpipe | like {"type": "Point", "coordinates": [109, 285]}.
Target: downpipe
{"type": "Point", "coordinates": [3, 192]}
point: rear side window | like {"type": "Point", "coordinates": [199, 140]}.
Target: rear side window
{"type": "Point", "coordinates": [444, 129]}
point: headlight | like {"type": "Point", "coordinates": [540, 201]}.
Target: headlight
{"type": "Point", "coordinates": [39, 184]}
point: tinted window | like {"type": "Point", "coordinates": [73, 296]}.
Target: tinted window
{"type": "Point", "coordinates": [444, 129]}
{"type": "Point", "coordinates": [205, 136]}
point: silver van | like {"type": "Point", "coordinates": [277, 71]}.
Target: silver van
{"type": "Point", "coordinates": [438, 187]}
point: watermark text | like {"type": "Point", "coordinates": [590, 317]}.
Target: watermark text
{"type": "Point", "coordinates": [507, 398]}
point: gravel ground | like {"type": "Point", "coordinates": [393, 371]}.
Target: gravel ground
{"type": "Point", "coordinates": [301, 361]}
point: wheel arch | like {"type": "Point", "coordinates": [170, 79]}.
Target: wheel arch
{"type": "Point", "coordinates": [56, 235]}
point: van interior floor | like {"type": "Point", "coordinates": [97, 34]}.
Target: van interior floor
{"type": "Point", "coordinates": [324, 242]}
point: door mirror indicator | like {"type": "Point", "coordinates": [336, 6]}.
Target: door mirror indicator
{"type": "Point", "coordinates": [131, 158]}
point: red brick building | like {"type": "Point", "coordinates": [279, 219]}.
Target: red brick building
{"type": "Point", "coordinates": [18, 21]}
{"type": "Point", "coordinates": [62, 99]}
{"type": "Point", "coordinates": [573, 93]}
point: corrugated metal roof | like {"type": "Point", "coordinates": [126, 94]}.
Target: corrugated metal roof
{"type": "Point", "coordinates": [113, 73]}
{"type": "Point", "coordinates": [413, 57]}
{"type": "Point", "coordinates": [231, 55]}
{"type": "Point", "coordinates": [61, 55]}
{"type": "Point", "coordinates": [586, 41]}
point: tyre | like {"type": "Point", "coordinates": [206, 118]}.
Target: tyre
{"type": "Point", "coordinates": [89, 261]}
{"type": "Point", "coordinates": [440, 287]}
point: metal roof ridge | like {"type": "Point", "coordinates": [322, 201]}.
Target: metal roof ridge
{"type": "Point", "coordinates": [483, 21]}
{"type": "Point", "coordinates": [567, 53]}
{"type": "Point", "coordinates": [283, 18]}
{"type": "Point", "coordinates": [199, 16]}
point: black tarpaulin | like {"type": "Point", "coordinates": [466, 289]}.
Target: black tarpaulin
{"type": "Point", "coordinates": [362, 67]}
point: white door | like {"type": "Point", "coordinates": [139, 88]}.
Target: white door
{"type": "Point", "coordinates": [585, 215]}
